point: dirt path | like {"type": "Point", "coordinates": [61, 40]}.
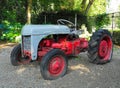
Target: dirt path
{"type": "Point", "coordinates": [81, 73]}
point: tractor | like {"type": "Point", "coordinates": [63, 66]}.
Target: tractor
{"type": "Point", "coordinates": [52, 45]}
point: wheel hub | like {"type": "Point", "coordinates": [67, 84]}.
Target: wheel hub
{"type": "Point", "coordinates": [56, 66]}
{"type": "Point", "coordinates": [103, 48]}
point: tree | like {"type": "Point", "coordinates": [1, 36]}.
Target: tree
{"type": "Point", "coordinates": [118, 19]}
{"type": "Point", "coordinates": [98, 7]}
{"type": "Point", "coordinates": [13, 11]}
{"type": "Point", "coordinates": [88, 6]}
{"type": "Point", "coordinates": [83, 4]}
{"type": "Point", "coordinates": [17, 9]}
{"type": "Point", "coordinates": [29, 4]}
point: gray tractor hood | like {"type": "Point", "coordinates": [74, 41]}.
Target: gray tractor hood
{"type": "Point", "coordinates": [45, 29]}
{"type": "Point", "coordinates": [37, 33]}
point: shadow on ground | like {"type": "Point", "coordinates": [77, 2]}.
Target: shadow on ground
{"type": "Point", "coordinates": [81, 73]}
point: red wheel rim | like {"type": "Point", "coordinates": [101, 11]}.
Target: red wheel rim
{"type": "Point", "coordinates": [56, 65]}
{"type": "Point", "coordinates": [105, 48]}
{"type": "Point", "coordinates": [22, 61]}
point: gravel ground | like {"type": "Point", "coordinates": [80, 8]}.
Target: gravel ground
{"type": "Point", "coordinates": [81, 73]}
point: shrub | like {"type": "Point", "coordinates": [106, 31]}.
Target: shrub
{"type": "Point", "coordinates": [102, 20]}
{"type": "Point", "coordinates": [10, 31]}
{"type": "Point", "coordinates": [116, 37]}
{"type": "Point", "coordinates": [63, 14]}
{"type": "Point", "coordinates": [118, 22]}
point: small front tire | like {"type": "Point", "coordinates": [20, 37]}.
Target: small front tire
{"type": "Point", "coordinates": [16, 56]}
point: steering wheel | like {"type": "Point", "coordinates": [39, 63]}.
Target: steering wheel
{"type": "Point", "coordinates": [66, 22]}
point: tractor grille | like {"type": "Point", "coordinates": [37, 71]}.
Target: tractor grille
{"type": "Point", "coordinates": [26, 41]}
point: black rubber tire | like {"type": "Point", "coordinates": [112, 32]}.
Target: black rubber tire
{"type": "Point", "coordinates": [14, 54]}
{"type": "Point", "coordinates": [46, 60]}
{"type": "Point", "coordinates": [94, 47]}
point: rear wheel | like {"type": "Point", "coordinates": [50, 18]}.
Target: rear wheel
{"type": "Point", "coordinates": [16, 56]}
{"type": "Point", "coordinates": [100, 47]}
{"type": "Point", "coordinates": [53, 65]}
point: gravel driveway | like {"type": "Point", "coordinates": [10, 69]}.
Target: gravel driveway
{"type": "Point", "coordinates": [81, 73]}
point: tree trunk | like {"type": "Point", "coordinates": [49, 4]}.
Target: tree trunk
{"type": "Point", "coordinates": [83, 4]}
{"type": "Point", "coordinates": [29, 4]}
{"type": "Point", "coordinates": [88, 6]}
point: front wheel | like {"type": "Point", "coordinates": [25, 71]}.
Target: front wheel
{"type": "Point", "coordinates": [53, 65]}
{"type": "Point", "coordinates": [16, 56]}
{"type": "Point", "coordinates": [100, 47]}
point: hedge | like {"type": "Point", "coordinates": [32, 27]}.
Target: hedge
{"type": "Point", "coordinates": [116, 37]}
{"type": "Point", "coordinates": [10, 31]}
{"type": "Point", "coordinates": [52, 17]}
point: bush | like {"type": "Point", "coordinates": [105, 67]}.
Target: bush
{"type": "Point", "coordinates": [118, 22]}
{"type": "Point", "coordinates": [10, 31]}
{"type": "Point", "coordinates": [52, 17]}
{"type": "Point", "coordinates": [102, 20]}
{"type": "Point", "coordinates": [63, 14]}
{"type": "Point", "coordinates": [116, 37]}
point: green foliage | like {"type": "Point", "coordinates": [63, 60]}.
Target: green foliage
{"type": "Point", "coordinates": [11, 31]}
{"type": "Point", "coordinates": [102, 20]}
{"type": "Point", "coordinates": [77, 5]}
{"type": "Point", "coordinates": [116, 37]}
{"type": "Point", "coordinates": [98, 7]}
{"type": "Point", "coordinates": [63, 14]}
{"type": "Point", "coordinates": [13, 11]}
{"type": "Point", "coordinates": [90, 23]}
{"type": "Point", "coordinates": [91, 7]}
{"type": "Point", "coordinates": [118, 22]}
{"type": "Point", "coordinates": [118, 19]}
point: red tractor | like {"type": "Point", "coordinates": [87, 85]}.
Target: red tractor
{"type": "Point", "coordinates": [52, 44]}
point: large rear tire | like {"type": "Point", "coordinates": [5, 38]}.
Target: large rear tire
{"type": "Point", "coordinates": [100, 47]}
{"type": "Point", "coordinates": [16, 56]}
{"type": "Point", "coordinates": [53, 65]}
